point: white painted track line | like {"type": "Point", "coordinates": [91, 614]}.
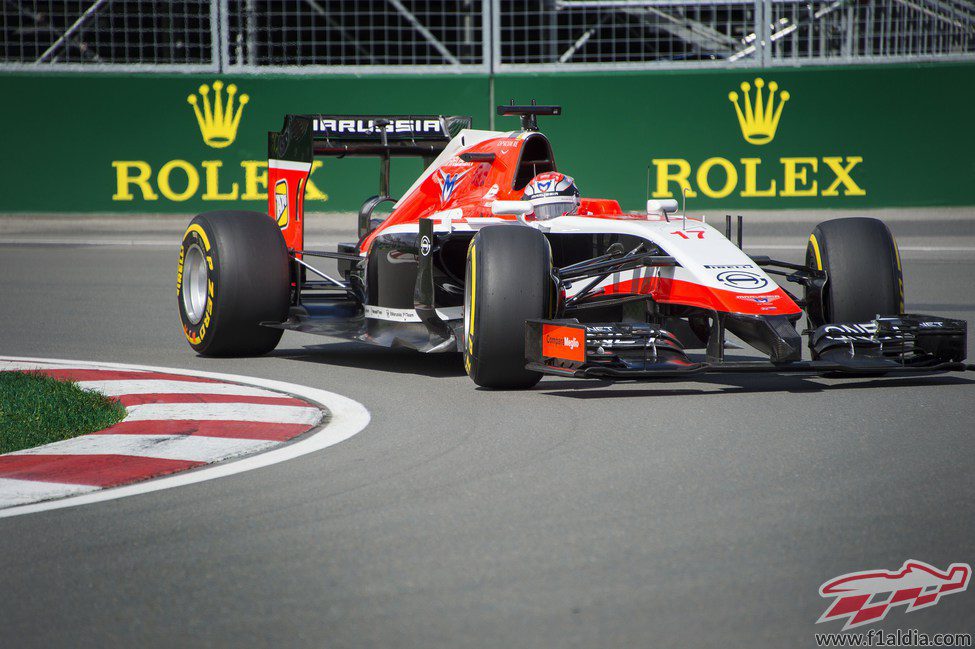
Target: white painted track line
{"type": "Point", "coordinates": [118, 387]}
{"type": "Point", "coordinates": [26, 366]}
{"type": "Point", "coordinates": [70, 241]}
{"type": "Point", "coordinates": [345, 418]}
{"type": "Point", "coordinates": [18, 492]}
{"type": "Point", "coordinates": [225, 412]}
{"type": "Point", "coordinates": [194, 448]}
{"type": "Point", "coordinates": [751, 246]}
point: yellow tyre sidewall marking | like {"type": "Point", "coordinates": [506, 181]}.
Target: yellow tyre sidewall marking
{"type": "Point", "coordinates": [900, 274]}
{"type": "Point", "coordinates": [196, 334]}
{"type": "Point", "coordinates": [179, 269]}
{"type": "Point", "coordinates": [196, 227]}
{"type": "Point", "coordinates": [472, 254]}
{"type": "Point", "coordinates": [815, 245]}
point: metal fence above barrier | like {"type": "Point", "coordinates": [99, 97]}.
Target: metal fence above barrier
{"type": "Point", "coordinates": [481, 36]}
{"type": "Point", "coordinates": [102, 35]}
{"type": "Point", "coordinates": [590, 34]}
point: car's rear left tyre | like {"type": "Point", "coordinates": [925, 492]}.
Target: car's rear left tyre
{"type": "Point", "coordinates": [863, 270]}
{"type": "Point", "coordinates": [508, 281]}
{"type": "Point", "coordinates": [233, 274]}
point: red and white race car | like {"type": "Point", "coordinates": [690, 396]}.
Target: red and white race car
{"type": "Point", "coordinates": [469, 261]}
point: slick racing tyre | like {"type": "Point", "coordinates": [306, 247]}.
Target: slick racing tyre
{"type": "Point", "coordinates": [863, 271]}
{"type": "Point", "coordinates": [508, 281]}
{"type": "Point", "coordinates": [233, 274]}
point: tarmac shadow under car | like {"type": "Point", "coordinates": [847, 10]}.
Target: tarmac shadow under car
{"type": "Point", "coordinates": [382, 359]}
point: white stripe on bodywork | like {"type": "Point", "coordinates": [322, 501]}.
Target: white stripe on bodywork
{"type": "Point", "coordinates": [225, 412]}
{"type": "Point", "coordinates": [288, 165]}
{"type": "Point", "coordinates": [409, 315]}
{"type": "Point", "coordinates": [193, 448]}
{"type": "Point", "coordinates": [20, 492]}
{"type": "Point", "coordinates": [120, 387]}
{"type": "Point", "coordinates": [444, 225]}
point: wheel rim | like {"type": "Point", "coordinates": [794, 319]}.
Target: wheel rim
{"type": "Point", "coordinates": [195, 278]}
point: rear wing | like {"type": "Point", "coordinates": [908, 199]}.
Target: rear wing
{"type": "Point", "coordinates": [306, 136]}
{"type": "Point", "coordinates": [291, 151]}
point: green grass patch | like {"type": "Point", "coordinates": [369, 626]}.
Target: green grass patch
{"type": "Point", "coordinates": [36, 409]}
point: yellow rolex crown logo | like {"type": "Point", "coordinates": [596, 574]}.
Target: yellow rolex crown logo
{"type": "Point", "coordinates": [760, 118]}
{"type": "Point", "coordinates": [218, 122]}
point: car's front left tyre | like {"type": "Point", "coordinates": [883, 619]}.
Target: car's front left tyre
{"type": "Point", "coordinates": [508, 281]}
{"type": "Point", "coordinates": [233, 274]}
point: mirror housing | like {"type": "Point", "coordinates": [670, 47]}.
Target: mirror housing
{"type": "Point", "coordinates": [512, 208]}
{"type": "Point", "coordinates": [661, 207]}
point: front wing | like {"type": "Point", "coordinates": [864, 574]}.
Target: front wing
{"type": "Point", "coordinates": [904, 343]}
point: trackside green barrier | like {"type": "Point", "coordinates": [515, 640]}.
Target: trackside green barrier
{"type": "Point", "coordinates": [843, 137]}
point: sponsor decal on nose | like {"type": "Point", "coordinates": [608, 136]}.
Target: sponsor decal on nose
{"type": "Point", "coordinates": [742, 279]}
{"type": "Point", "coordinates": [564, 343]}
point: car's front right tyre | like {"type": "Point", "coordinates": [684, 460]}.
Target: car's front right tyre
{"type": "Point", "coordinates": [863, 270]}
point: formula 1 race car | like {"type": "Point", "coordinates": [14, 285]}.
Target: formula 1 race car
{"type": "Point", "coordinates": [463, 264]}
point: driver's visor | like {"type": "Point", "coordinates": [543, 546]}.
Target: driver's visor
{"type": "Point", "coordinates": [552, 210]}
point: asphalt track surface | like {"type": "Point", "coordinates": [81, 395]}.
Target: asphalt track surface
{"type": "Point", "coordinates": [700, 513]}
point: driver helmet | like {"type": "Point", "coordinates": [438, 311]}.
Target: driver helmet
{"type": "Point", "coordinates": [552, 194]}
